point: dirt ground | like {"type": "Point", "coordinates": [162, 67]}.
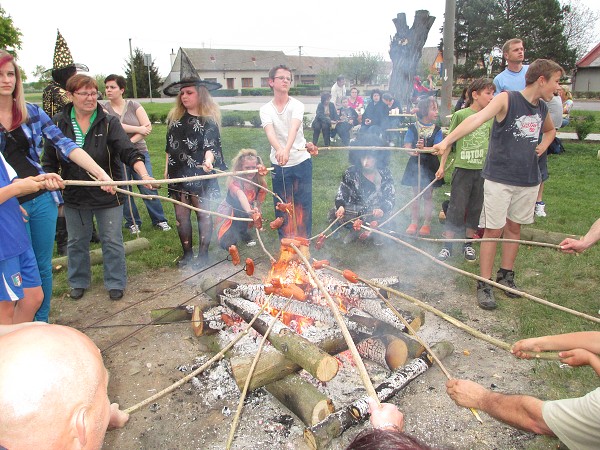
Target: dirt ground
{"type": "Point", "coordinates": [198, 415]}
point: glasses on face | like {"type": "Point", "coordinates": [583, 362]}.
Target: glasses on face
{"type": "Point", "coordinates": [87, 94]}
{"type": "Point", "coordinates": [282, 78]}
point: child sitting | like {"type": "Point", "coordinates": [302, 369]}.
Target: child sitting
{"type": "Point", "coordinates": [242, 200]}
{"type": "Point", "coordinates": [367, 189]}
{"type": "Point", "coordinates": [466, 194]}
{"type": "Point", "coordinates": [420, 170]}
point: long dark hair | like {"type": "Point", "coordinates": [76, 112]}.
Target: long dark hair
{"type": "Point", "coordinates": [376, 439]}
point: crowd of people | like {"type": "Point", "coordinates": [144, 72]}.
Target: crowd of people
{"type": "Point", "coordinates": [500, 134]}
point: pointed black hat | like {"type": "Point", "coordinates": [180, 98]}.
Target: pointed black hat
{"type": "Point", "coordinates": [188, 76]}
{"type": "Point", "coordinates": [62, 55]}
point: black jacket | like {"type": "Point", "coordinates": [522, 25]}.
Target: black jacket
{"type": "Point", "coordinates": [108, 144]}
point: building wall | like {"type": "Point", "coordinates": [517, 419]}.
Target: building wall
{"type": "Point", "coordinates": [587, 79]}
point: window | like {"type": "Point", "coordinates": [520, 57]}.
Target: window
{"type": "Point", "coordinates": [264, 82]}
{"type": "Point", "coordinates": [247, 82]}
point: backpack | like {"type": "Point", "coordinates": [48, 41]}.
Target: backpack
{"type": "Point", "coordinates": [556, 147]}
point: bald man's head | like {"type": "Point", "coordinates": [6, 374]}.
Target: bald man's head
{"type": "Point", "coordinates": [53, 390]}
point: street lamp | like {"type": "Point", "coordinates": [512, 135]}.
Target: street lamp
{"type": "Point", "coordinates": [148, 63]}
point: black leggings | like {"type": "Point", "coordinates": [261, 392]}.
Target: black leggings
{"type": "Point", "coordinates": [184, 225]}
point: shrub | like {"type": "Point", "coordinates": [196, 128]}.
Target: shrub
{"type": "Point", "coordinates": [255, 121]}
{"type": "Point", "coordinates": [163, 118]}
{"type": "Point", "coordinates": [232, 120]}
{"type": "Point", "coordinates": [256, 91]}
{"type": "Point", "coordinates": [153, 117]}
{"type": "Point", "coordinates": [225, 93]}
{"type": "Point", "coordinates": [583, 125]}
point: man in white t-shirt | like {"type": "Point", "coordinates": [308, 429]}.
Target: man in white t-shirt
{"type": "Point", "coordinates": [282, 120]}
{"type": "Point", "coordinates": [338, 91]}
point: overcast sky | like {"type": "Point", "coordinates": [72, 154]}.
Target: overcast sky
{"type": "Point", "coordinates": [98, 33]}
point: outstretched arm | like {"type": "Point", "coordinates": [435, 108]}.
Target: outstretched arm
{"type": "Point", "coordinates": [570, 245]}
{"type": "Point", "coordinates": [519, 411]}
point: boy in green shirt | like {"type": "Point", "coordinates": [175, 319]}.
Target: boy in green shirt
{"type": "Point", "coordinates": [466, 195]}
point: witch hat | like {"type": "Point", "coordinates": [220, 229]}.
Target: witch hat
{"type": "Point", "coordinates": [188, 76]}
{"type": "Point", "coordinates": [62, 56]}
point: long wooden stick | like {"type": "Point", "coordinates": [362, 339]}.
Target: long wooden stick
{"type": "Point", "coordinates": [263, 246]}
{"type": "Point", "coordinates": [200, 369]}
{"type": "Point", "coordinates": [485, 280]}
{"type": "Point", "coordinates": [177, 202]}
{"type": "Point", "coordinates": [246, 180]}
{"type": "Point", "coordinates": [414, 334]}
{"type": "Point", "coordinates": [236, 418]}
{"type": "Point", "coordinates": [163, 181]}
{"type": "Point", "coordinates": [360, 365]}
{"type": "Point", "coordinates": [551, 356]}
{"type": "Point", "coordinates": [474, 241]}
{"type": "Point", "coordinates": [390, 149]}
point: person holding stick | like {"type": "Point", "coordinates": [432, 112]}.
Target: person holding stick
{"type": "Point", "coordinates": [511, 171]}
{"type": "Point", "coordinates": [282, 120]}
{"type": "Point", "coordinates": [570, 245]}
{"type": "Point", "coordinates": [68, 407]}
{"type": "Point", "coordinates": [574, 420]}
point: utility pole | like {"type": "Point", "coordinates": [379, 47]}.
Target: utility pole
{"type": "Point", "coordinates": [148, 62]}
{"type": "Point", "coordinates": [448, 73]}
{"type": "Point", "coordinates": [299, 64]}
{"type": "Point", "coordinates": [133, 81]}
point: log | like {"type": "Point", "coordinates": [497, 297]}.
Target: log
{"type": "Point", "coordinates": [311, 358]}
{"type": "Point", "coordinates": [180, 313]}
{"type": "Point", "coordinates": [380, 311]}
{"type": "Point", "coordinates": [135, 245]}
{"type": "Point", "coordinates": [390, 351]}
{"type": "Point", "coordinates": [550, 237]}
{"type": "Point", "coordinates": [320, 435]}
{"type": "Point", "coordinates": [273, 365]}
{"type": "Point", "coordinates": [302, 398]}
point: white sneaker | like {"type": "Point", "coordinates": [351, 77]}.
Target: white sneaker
{"type": "Point", "coordinates": [540, 209]}
{"type": "Point", "coordinates": [164, 226]}
{"type": "Point", "coordinates": [444, 254]}
{"type": "Point", "coordinates": [134, 229]}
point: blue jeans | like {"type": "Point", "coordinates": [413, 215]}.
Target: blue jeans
{"type": "Point", "coordinates": [294, 184]}
{"type": "Point", "coordinates": [41, 227]}
{"type": "Point", "coordinates": [154, 207]}
{"type": "Point", "coordinates": [79, 227]}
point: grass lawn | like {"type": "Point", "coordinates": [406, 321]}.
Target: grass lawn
{"type": "Point", "coordinates": [569, 280]}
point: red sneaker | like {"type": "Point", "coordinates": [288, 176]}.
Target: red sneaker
{"type": "Point", "coordinates": [412, 229]}
{"type": "Point", "coordinates": [425, 230]}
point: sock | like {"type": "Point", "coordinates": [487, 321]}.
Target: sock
{"type": "Point", "coordinates": [503, 272]}
{"type": "Point", "coordinates": [539, 203]}
{"type": "Point", "coordinates": [468, 243]}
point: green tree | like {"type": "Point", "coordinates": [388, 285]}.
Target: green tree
{"type": "Point", "coordinates": [361, 68]}
{"type": "Point", "coordinates": [43, 75]}
{"type": "Point", "coordinates": [141, 76]}
{"type": "Point", "coordinates": [482, 25]}
{"type": "Point", "coordinates": [10, 36]}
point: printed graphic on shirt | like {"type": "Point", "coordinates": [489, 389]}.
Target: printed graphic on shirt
{"type": "Point", "coordinates": [474, 146]}
{"type": "Point", "coordinates": [528, 127]}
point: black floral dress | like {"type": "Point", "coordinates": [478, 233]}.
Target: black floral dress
{"type": "Point", "coordinates": [358, 195]}
{"type": "Point", "coordinates": [188, 140]}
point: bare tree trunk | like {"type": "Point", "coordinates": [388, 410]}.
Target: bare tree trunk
{"type": "Point", "coordinates": [406, 48]}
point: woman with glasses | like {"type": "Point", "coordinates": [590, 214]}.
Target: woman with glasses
{"type": "Point", "coordinates": [102, 137]}
{"type": "Point", "coordinates": [23, 128]}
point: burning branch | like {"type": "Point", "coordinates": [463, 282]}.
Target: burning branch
{"type": "Point", "coordinates": [357, 359]}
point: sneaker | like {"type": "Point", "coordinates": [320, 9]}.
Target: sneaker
{"type": "Point", "coordinates": [412, 229]}
{"type": "Point", "coordinates": [76, 293]}
{"type": "Point", "coordinates": [164, 226]}
{"type": "Point", "coordinates": [425, 230]}
{"type": "Point", "coordinates": [444, 254]}
{"type": "Point", "coordinates": [134, 229]}
{"type": "Point", "coordinates": [508, 280]}
{"type": "Point", "coordinates": [540, 209]}
{"type": "Point", "coordinates": [251, 243]}
{"type": "Point", "coordinates": [115, 294]}
{"type": "Point", "coordinates": [485, 296]}
{"type": "Point", "coordinates": [469, 252]}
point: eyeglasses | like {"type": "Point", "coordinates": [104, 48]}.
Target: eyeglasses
{"type": "Point", "coordinates": [282, 78]}
{"type": "Point", "coordinates": [87, 94]}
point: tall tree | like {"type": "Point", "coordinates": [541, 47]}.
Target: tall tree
{"type": "Point", "coordinates": [406, 48]}
{"type": "Point", "coordinates": [361, 68]}
{"type": "Point", "coordinates": [141, 76]}
{"type": "Point", "coordinates": [580, 24]}
{"type": "Point", "coordinates": [10, 36]}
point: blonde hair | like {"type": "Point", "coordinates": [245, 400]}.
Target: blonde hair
{"type": "Point", "coordinates": [208, 108]}
{"type": "Point", "coordinates": [19, 111]}
{"type": "Point", "coordinates": [238, 161]}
